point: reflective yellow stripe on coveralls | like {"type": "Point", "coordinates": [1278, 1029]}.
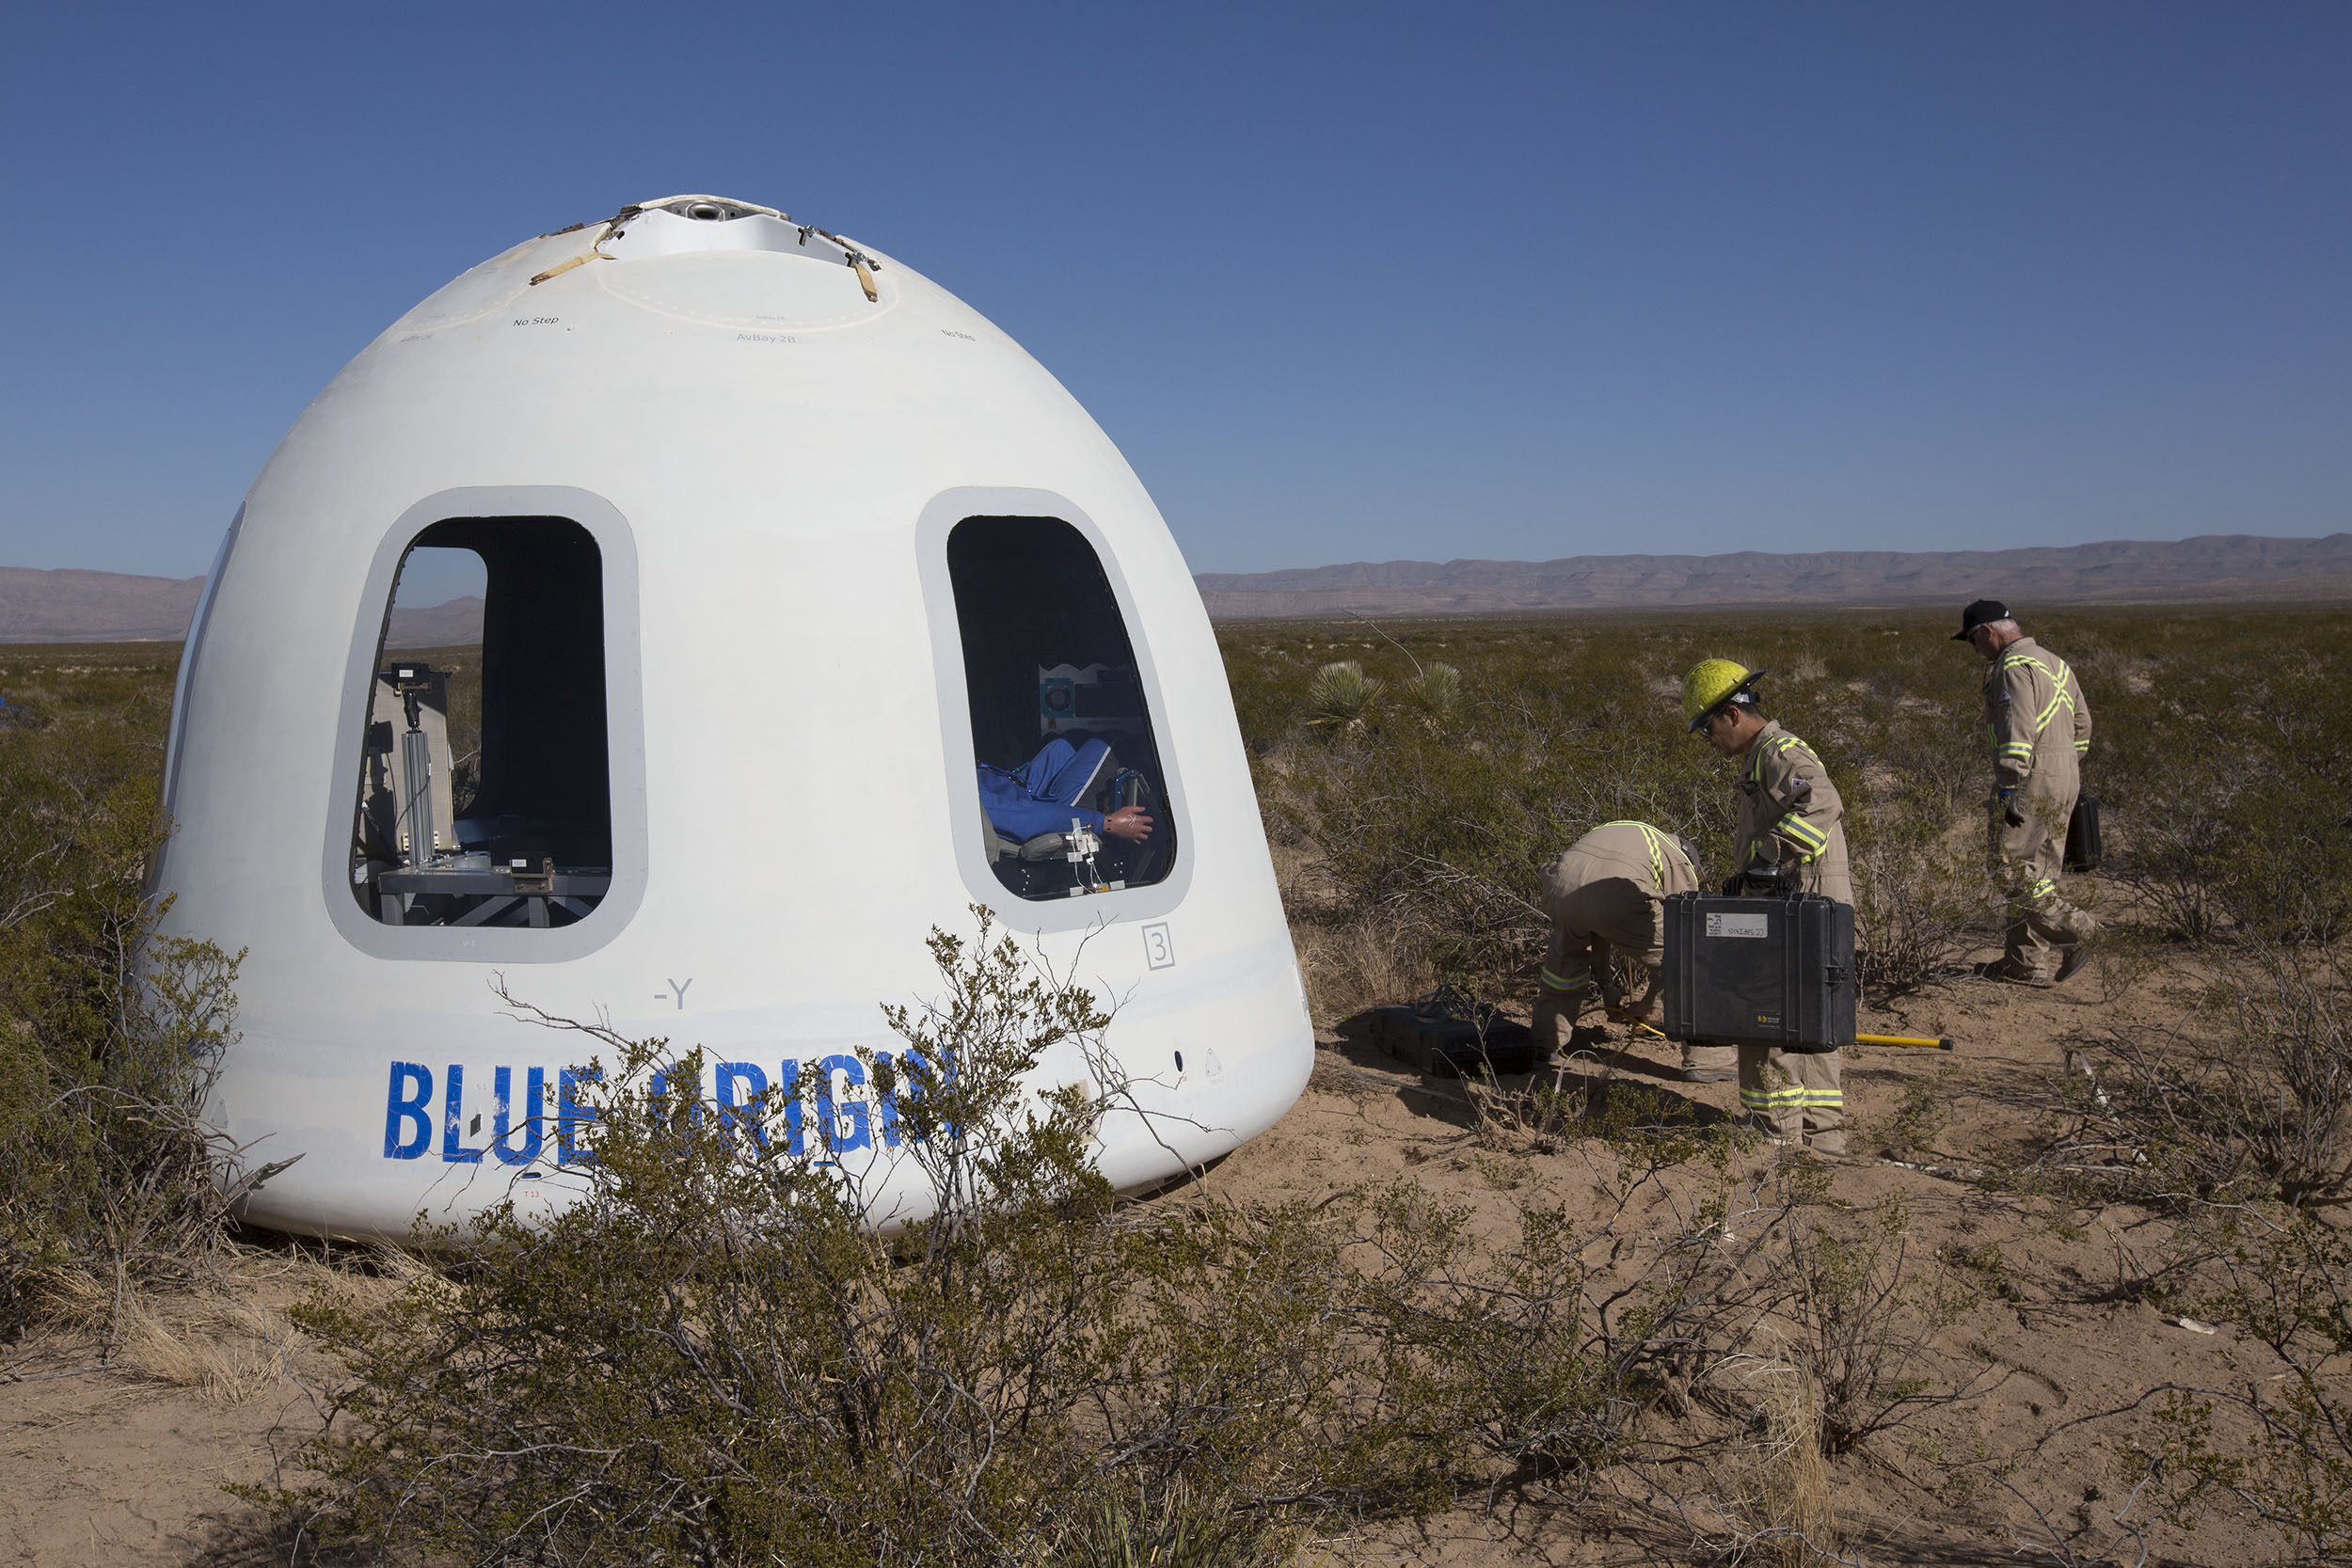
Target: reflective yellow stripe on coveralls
{"type": "Point", "coordinates": [1658, 874]}
{"type": "Point", "coordinates": [1792, 826]}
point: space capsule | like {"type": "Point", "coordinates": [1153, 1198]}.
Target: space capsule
{"type": "Point", "coordinates": [641, 624]}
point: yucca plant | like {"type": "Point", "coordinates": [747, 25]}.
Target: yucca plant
{"type": "Point", "coordinates": [1342, 696]}
{"type": "Point", "coordinates": [1436, 688]}
{"type": "Point", "coordinates": [1178, 1530]}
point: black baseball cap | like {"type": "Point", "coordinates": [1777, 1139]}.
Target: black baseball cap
{"type": "Point", "coordinates": [1983, 613]}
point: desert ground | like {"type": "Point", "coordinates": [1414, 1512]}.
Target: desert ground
{"type": "Point", "coordinates": [124, 1465]}
{"type": "Point", "coordinates": [2033, 1290]}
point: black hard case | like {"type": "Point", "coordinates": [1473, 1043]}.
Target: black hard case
{"type": "Point", "coordinates": [2082, 834]}
{"type": "Point", "coordinates": [1760, 971]}
{"type": "Point", "coordinates": [1451, 1047]}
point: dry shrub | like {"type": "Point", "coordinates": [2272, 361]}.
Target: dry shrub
{"type": "Point", "coordinates": [1911, 1129]}
{"type": "Point", "coordinates": [2171, 852]}
{"type": "Point", "coordinates": [2284, 1466]}
{"type": "Point", "coordinates": [2252, 1101]}
{"type": "Point", "coordinates": [1864, 1318]}
{"type": "Point", "coordinates": [711, 1358]}
{"type": "Point", "coordinates": [2131, 960]}
{"type": "Point", "coordinates": [66, 1296]}
{"type": "Point", "coordinates": [1806, 1329]}
{"type": "Point", "coordinates": [1914, 910]}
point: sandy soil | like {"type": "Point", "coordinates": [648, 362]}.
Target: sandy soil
{"type": "Point", "coordinates": [2055, 1337]}
{"type": "Point", "coordinates": [125, 1465]}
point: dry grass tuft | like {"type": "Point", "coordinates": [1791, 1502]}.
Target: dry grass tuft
{"type": "Point", "coordinates": [1350, 968]}
{"type": "Point", "coordinates": [1784, 1495]}
{"type": "Point", "coordinates": [68, 1296]}
{"type": "Point", "coordinates": [227, 1354]}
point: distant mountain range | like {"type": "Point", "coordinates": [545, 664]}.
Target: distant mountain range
{"type": "Point", "coordinates": [443, 626]}
{"type": "Point", "coordinates": [94, 607]}
{"type": "Point", "coordinates": [112, 606]}
{"type": "Point", "coordinates": [2210, 567]}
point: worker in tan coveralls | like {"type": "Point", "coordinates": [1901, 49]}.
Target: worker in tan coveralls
{"type": "Point", "coordinates": [1604, 897]}
{"type": "Point", "coordinates": [2038, 724]}
{"type": "Point", "coordinates": [1790, 821]}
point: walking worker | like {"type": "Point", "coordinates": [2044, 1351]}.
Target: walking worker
{"type": "Point", "coordinates": [1791, 823]}
{"type": "Point", "coordinates": [2038, 724]}
{"type": "Point", "coordinates": [1604, 897]}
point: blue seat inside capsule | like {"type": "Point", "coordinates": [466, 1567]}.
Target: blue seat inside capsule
{"type": "Point", "coordinates": [1045, 819]}
{"type": "Point", "coordinates": [1061, 721]}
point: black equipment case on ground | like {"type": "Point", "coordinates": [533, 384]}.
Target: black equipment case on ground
{"type": "Point", "coordinates": [1446, 1035]}
{"type": "Point", "coordinates": [1760, 971]}
{"type": "Point", "coordinates": [2082, 834]}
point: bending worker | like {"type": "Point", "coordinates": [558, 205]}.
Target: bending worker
{"type": "Point", "coordinates": [1791, 823]}
{"type": "Point", "coordinates": [1604, 897]}
{"type": "Point", "coordinates": [2037, 723]}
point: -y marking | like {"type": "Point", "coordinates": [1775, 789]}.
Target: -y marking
{"type": "Point", "coordinates": [677, 990]}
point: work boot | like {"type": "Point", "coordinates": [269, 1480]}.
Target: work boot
{"type": "Point", "coordinates": [1708, 1075]}
{"type": "Point", "coordinates": [2014, 971]}
{"type": "Point", "coordinates": [2071, 961]}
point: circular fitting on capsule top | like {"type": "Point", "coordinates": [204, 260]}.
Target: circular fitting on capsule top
{"type": "Point", "coordinates": [708, 211]}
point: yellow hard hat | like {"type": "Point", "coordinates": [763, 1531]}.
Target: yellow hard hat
{"type": "Point", "coordinates": [1711, 684]}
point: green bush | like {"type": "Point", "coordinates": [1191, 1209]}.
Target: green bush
{"type": "Point", "coordinates": [109, 1038]}
{"type": "Point", "coordinates": [711, 1358]}
{"type": "Point", "coordinates": [2286, 1286]}
{"type": "Point", "coordinates": [2222, 753]}
{"type": "Point", "coordinates": [2233, 771]}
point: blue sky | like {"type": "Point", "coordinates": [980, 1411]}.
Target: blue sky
{"type": "Point", "coordinates": [1344, 281]}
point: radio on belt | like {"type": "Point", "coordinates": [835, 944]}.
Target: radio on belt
{"type": "Point", "coordinates": [1767, 969]}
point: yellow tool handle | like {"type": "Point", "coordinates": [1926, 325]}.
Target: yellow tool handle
{"type": "Point", "coordinates": [1920, 1042]}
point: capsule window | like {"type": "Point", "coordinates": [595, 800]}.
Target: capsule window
{"type": "Point", "coordinates": [485, 793]}
{"type": "Point", "coordinates": [1073, 794]}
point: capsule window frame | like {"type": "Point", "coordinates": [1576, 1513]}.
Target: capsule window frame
{"type": "Point", "coordinates": [967, 823]}
{"type": "Point", "coordinates": [625, 736]}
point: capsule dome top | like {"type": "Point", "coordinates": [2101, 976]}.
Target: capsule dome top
{"type": "Point", "coordinates": [681, 225]}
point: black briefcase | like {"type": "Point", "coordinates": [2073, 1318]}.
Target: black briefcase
{"type": "Point", "coordinates": [1448, 1036]}
{"type": "Point", "coordinates": [1750, 970]}
{"type": "Point", "coordinates": [2082, 834]}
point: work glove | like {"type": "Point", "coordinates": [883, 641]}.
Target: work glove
{"type": "Point", "coordinates": [2005, 800]}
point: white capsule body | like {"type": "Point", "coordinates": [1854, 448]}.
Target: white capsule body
{"type": "Point", "coordinates": [770, 467]}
